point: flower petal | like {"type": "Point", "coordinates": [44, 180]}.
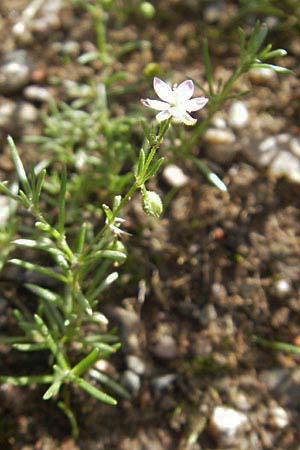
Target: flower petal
{"type": "Point", "coordinates": [185, 90]}
{"type": "Point", "coordinates": [155, 104]}
{"type": "Point", "coordinates": [195, 104]}
{"type": "Point", "coordinates": [162, 89]}
{"type": "Point", "coordinates": [163, 115]}
{"type": "Point", "coordinates": [185, 118]}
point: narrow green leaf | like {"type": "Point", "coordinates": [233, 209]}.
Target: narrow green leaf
{"type": "Point", "coordinates": [277, 345]}
{"type": "Point", "coordinates": [86, 362]}
{"type": "Point", "coordinates": [101, 338]}
{"type": "Point", "coordinates": [62, 200]}
{"type": "Point", "coordinates": [53, 390]}
{"type": "Point", "coordinates": [80, 239]}
{"type": "Point", "coordinates": [278, 69]}
{"type": "Point", "coordinates": [210, 176]}
{"type": "Point", "coordinates": [280, 52]}
{"type": "Point", "coordinates": [141, 163]}
{"type": "Point", "coordinates": [39, 184]}
{"type": "Point", "coordinates": [45, 294]}
{"type": "Point", "coordinates": [111, 278]}
{"type": "Point", "coordinates": [147, 132]}
{"type": "Point", "coordinates": [108, 254]}
{"type": "Point", "coordinates": [92, 390]}
{"type": "Point", "coordinates": [29, 347]}
{"type": "Point", "coordinates": [84, 303]}
{"type": "Point", "coordinates": [156, 166]}
{"type": "Point", "coordinates": [108, 381]}
{"type": "Point", "coordinates": [7, 192]}
{"type": "Point", "coordinates": [43, 270]}
{"type": "Point", "coordinates": [19, 166]}
{"type": "Point", "coordinates": [26, 379]}
{"type": "Point", "coordinates": [208, 67]}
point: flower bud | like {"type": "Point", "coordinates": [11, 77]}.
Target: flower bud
{"type": "Point", "coordinates": [152, 204]}
{"type": "Point", "coordinates": [147, 9]}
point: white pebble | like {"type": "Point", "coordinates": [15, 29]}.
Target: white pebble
{"type": "Point", "coordinates": [174, 176]}
{"type": "Point", "coordinates": [238, 115]}
{"type": "Point", "coordinates": [7, 110]}
{"type": "Point", "coordinates": [37, 93]}
{"type": "Point", "coordinates": [226, 423]}
{"type": "Point", "coordinates": [5, 209]}
{"type": "Point", "coordinates": [279, 417]}
{"type": "Point", "coordinates": [131, 381]}
{"type": "Point", "coordinates": [263, 76]}
{"type": "Point", "coordinates": [282, 288]}
{"type": "Point", "coordinates": [136, 364]}
{"type": "Point", "coordinates": [165, 347]}
{"type": "Point", "coordinates": [27, 112]}
{"type": "Point", "coordinates": [218, 136]}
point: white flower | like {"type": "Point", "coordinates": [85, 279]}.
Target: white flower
{"type": "Point", "coordinates": [177, 102]}
{"type": "Point", "coordinates": [115, 227]}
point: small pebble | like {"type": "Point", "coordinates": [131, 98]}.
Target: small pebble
{"type": "Point", "coordinates": [163, 382]}
{"type": "Point", "coordinates": [174, 176]}
{"type": "Point", "coordinates": [7, 109]}
{"type": "Point", "coordinates": [281, 288]}
{"type": "Point", "coordinates": [212, 13]}
{"type": "Point", "coordinates": [70, 48]}
{"type": "Point", "coordinates": [295, 146]}
{"type": "Point", "coordinates": [27, 112]}
{"type": "Point", "coordinates": [227, 423]}
{"type": "Point", "coordinates": [219, 136]}
{"type": "Point", "coordinates": [5, 208]}
{"type": "Point", "coordinates": [218, 292]}
{"type": "Point", "coordinates": [14, 72]}
{"type": "Point", "coordinates": [287, 165]}
{"type": "Point", "coordinates": [165, 348]}
{"type": "Point", "coordinates": [279, 417]}
{"type": "Point", "coordinates": [263, 76]}
{"type": "Point", "coordinates": [136, 364]}
{"type": "Point", "coordinates": [37, 94]}
{"type": "Point", "coordinates": [238, 115]}
{"type": "Point", "coordinates": [131, 381]}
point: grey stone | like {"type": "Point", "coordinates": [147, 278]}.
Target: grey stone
{"type": "Point", "coordinates": [263, 76]}
{"type": "Point", "coordinates": [165, 347]}
{"type": "Point", "coordinates": [15, 72]}
{"type": "Point", "coordinates": [7, 109]}
{"type": "Point", "coordinates": [131, 381]}
{"type": "Point", "coordinates": [279, 154]}
{"type": "Point", "coordinates": [136, 364]}
{"type": "Point", "coordinates": [164, 381]}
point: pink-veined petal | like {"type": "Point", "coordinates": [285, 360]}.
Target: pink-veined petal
{"type": "Point", "coordinates": [162, 89]}
{"type": "Point", "coordinates": [163, 115]}
{"type": "Point", "coordinates": [155, 104]}
{"type": "Point", "coordinates": [195, 104]}
{"type": "Point", "coordinates": [185, 90]}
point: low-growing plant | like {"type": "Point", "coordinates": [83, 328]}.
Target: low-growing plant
{"type": "Point", "coordinates": [61, 322]}
{"type": "Point", "coordinates": [100, 152]}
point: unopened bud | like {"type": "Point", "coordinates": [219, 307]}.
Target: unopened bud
{"type": "Point", "coordinates": [147, 9]}
{"type": "Point", "coordinates": [152, 204]}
